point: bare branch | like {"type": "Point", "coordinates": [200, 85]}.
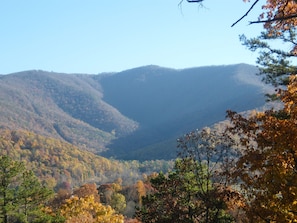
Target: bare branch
{"type": "Point", "coordinates": [246, 13]}
{"type": "Point", "coordinates": [191, 1]}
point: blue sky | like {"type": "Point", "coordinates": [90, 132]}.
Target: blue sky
{"type": "Point", "coordinates": [94, 36]}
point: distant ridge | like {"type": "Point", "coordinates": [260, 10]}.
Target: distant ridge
{"type": "Point", "coordinates": [168, 103]}
{"type": "Point", "coordinates": [133, 114]}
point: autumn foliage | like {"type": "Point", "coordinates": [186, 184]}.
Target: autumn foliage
{"type": "Point", "coordinates": [87, 210]}
{"type": "Point", "coordinates": [247, 173]}
{"type": "Point", "coordinates": [268, 167]}
{"type": "Point", "coordinates": [280, 14]}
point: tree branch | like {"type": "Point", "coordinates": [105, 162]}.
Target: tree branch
{"type": "Point", "coordinates": [246, 13]}
{"type": "Point", "coordinates": [276, 19]}
{"type": "Point", "coordinates": [191, 1]}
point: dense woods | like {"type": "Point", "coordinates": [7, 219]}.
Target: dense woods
{"type": "Point", "coordinates": [67, 178]}
{"type": "Point", "coordinates": [24, 199]}
{"type": "Point", "coordinates": [56, 162]}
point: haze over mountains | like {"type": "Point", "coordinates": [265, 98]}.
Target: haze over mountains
{"type": "Point", "coordinates": [133, 114]}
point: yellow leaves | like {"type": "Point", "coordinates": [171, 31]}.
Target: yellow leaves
{"type": "Point", "coordinates": [141, 191]}
{"type": "Point", "coordinates": [86, 209]}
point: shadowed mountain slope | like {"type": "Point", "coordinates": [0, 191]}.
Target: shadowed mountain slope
{"type": "Point", "coordinates": [168, 103]}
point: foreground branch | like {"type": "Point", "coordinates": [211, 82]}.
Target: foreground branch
{"type": "Point", "coordinates": [250, 9]}
{"type": "Point", "coordinates": [275, 19]}
{"type": "Point", "coordinates": [191, 1]}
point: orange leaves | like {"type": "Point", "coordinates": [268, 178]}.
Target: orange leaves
{"type": "Point", "coordinates": [280, 14]}
{"type": "Point", "coordinates": [87, 190]}
{"type": "Point", "coordinates": [289, 97]}
{"type": "Point", "coordinates": [268, 168]}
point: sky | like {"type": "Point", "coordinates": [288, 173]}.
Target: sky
{"type": "Point", "coordinates": [96, 36]}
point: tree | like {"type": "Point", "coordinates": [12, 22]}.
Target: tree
{"type": "Point", "coordinates": [195, 190]}
{"type": "Point", "coordinates": [168, 202]}
{"type": "Point", "coordinates": [179, 197]}
{"type": "Point", "coordinates": [275, 63]}
{"type": "Point", "coordinates": [280, 19]}
{"type": "Point", "coordinates": [21, 194]}
{"type": "Point", "coordinates": [32, 196]}
{"type": "Point", "coordinates": [141, 191]}
{"type": "Point", "coordinates": [9, 173]}
{"type": "Point", "coordinates": [118, 202]}
{"type": "Point", "coordinates": [268, 167]}
{"type": "Point", "coordinates": [87, 190]}
{"type": "Point", "coordinates": [277, 13]}
{"type": "Point", "coordinates": [87, 210]}
{"type": "Point", "coordinates": [214, 156]}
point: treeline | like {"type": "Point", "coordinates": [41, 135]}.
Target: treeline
{"type": "Point", "coordinates": [56, 162]}
{"type": "Point", "coordinates": [23, 198]}
{"type": "Point", "coordinates": [62, 171]}
{"type": "Point", "coordinates": [26, 198]}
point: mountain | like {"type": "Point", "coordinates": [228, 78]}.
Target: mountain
{"type": "Point", "coordinates": [133, 114]}
{"type": "Point", "coordinates": [168, 103]}
{"type": "Point", "coordinates": [63, 106]}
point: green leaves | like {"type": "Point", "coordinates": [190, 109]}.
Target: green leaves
{"type": "Point", "coordinates": [21, 194]}
{"type": "Point", "coordinates": [276, 50]}
{"type": "Point", "coordinates": [195, 190]}
{"type": "Point", "coordinates": [9, 175]}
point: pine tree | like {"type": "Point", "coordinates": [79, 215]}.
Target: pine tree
{"type": "Point", "coordinates": [31, 195]}
{"type": "Point", "coordinates": [21, 194]}
{"type": "Point", "coordinates": [10, 172]}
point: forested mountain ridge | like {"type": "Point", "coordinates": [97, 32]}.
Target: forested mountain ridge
{"type": "Point", "coordinates": [169, 103]}
{"type": "Point", "coordinates": [136, 113]}
{"type": "Point", "coordinates": [68, 107]}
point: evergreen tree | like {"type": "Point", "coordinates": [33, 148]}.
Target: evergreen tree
{"type": "Point", "coordinates": [10, 172]}
{"type": "Point", "coordinates": [21, 194]}
{"type": "Point", "coordinates": [31, 195]}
